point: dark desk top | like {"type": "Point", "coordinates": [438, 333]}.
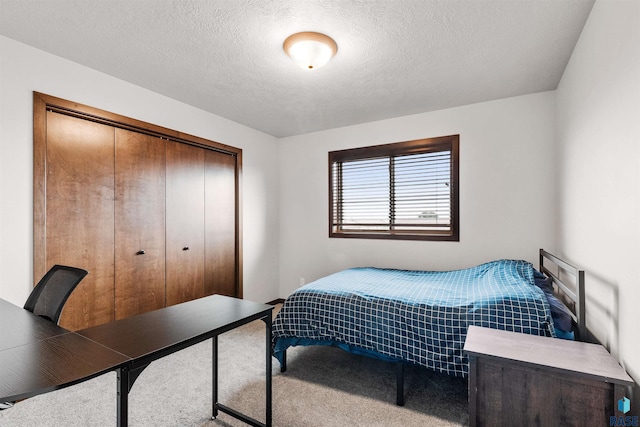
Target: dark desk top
{"type": "Point", "coordinates": [37, 356]}
{"type": "Point", "coordinates": [19, 327]}
{"type": "Point", "coordinates": [178, 325]}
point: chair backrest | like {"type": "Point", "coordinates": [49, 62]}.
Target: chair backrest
{"type": "Point", "coordinates": [52, 291]}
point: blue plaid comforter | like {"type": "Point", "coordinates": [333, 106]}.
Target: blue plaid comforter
{"type": "Point", "coordinates": [419, 317]}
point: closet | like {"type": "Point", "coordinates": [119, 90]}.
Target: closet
{"type": "Point", "coordinates": [151, 213]}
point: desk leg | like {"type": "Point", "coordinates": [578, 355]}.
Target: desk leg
{"type": "Point", "coordinates": [123, 397]}
{"type": "Point", "coordinates": [214, 377]}
{"type": "Point", "coordinates": [267, 321]}
{"type": "Point", "coordinates": [217, 406]}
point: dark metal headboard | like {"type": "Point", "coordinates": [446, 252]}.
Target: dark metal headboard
{"type": "Point", "coordinates": [573, 292]}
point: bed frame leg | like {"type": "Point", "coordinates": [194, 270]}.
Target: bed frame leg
{"type": "Point", "coordinates": [400, 384]}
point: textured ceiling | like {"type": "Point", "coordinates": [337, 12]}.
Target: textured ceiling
{"type": "Point", "coordinates": [395, 57]}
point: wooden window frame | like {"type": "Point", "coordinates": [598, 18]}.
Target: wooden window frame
{"type": "Point", "coordinates": [449, 143]}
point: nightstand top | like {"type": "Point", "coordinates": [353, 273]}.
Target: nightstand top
{"type": "Point", "coordinates": [583, 359]}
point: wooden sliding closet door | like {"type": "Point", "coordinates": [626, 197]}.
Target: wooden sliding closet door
{"type": "Point", "coordinates": [79, 212]}
{"type": "Point", "coordinates": [139, 223]}
{"type": "Point", "coordinates": [151, 213]}
{"type": "Point", "coordinates": [185, 222]}
{"type": "Point", "coordinates": [220, 224]}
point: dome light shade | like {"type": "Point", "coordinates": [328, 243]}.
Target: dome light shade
{"type": "Point", "coordinates": [310, 50]}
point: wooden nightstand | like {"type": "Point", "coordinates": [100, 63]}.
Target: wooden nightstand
{"type": "Point", "coordinates": [525, 380]}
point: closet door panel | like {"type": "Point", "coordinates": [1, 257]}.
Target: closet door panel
{"type": "Point", "coordinates": [220, 224]}
{"type": "Point", "coordinates": [185, 223]}
{"type": "Point", "coordinates": [79, 211]}
{"type": "Point", "coordinates": [139, 223]}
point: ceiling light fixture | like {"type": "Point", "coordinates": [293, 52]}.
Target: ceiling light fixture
{"type": "Point", "coordinates": [310, 50]}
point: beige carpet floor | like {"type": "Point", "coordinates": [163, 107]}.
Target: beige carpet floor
{"type": "Point", "coordinates": [323, 386]}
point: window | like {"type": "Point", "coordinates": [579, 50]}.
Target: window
{"type": "Point", "coordinates": [406, 190]}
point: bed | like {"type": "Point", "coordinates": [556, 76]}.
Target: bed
{"type": "Point", "coordinates": [421, 317]}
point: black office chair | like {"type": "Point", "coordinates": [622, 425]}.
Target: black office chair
{"type": "Point", "coordinates": [52, 291]}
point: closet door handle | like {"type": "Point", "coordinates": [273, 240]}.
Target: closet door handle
{"type": "Point", "coordinates": [141, 252]}
{"type": "Point", "coordinates": [186, 248]}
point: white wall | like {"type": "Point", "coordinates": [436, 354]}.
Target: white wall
{"type": "Point", "coordinates": [598, 137]}
{"type": "Point", "coordinates": [506, 191]}
{"type": "Point", "coordinates": [24, 69]}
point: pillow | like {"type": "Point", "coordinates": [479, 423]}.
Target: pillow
{"type": "Point", "coordinates": [559, 312]}
{"type": "Point", "coordinates": [565, 335]}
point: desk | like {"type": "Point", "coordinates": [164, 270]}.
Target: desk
{"type": "Point", "coordinates": [37, 356]}
{"type": "Point", "coordinates": [150, 336]}
{"type": "Point", "coordinates": [37, 353]}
